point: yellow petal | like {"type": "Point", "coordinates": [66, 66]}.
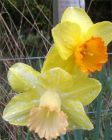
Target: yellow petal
{"type": "Point", "coordinates": [83, 89]}
{"type": "Point", "coordinates": [77, 117]}
{"type": "Point", "coordinates": [54, 79]}
{"type": "Point", "coordinates": [66, 36]}
{"type": "Point", "coordinates": [22, 77]}
{"type": "Point", "coordinates": [74, 87]}
{"type": "Point", "coordinates": [53, 59]}
{"type": "Point", "coordinates": [79, 16]}
{"type": "Point", "coordinates": [17, 110]}
{"type": "Point", "coordinates": [102, 30]}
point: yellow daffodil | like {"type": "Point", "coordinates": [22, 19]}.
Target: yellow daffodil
{"type": "Point", "coordinates": [79, 42]}
{"type": "Point", "coordinates": [51, 102]}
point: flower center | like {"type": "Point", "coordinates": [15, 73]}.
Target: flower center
{"type": "Point", "coordinates": [91, 55]}
{"type": "Point", "coordinates": [51, 100]}
{"type": "Point", "coordinates": [48, 120]}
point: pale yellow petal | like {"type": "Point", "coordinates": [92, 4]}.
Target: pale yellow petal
{"type": "Point", "coordinates": [102, 30]}
{"type": "Point", "coordinates": [66, 37]}
{"type": "Point", "coordinates": [22, 77]}
{"type": "Point", "coordinates": [77, 117]}
{"type": "Point", "coordinates": [74, 87]}
{"type": "Point", "coordinates": [54, 79]}
{"type": "Point", "coordinates": [17, 110]}
{"type": "Point", "coordinates": [53, 59]}
{"type": "Point", "coordinates": [79, 16]}
{"type": "Point", "coordinates": [83, 89]}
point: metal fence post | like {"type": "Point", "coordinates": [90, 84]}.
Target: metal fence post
{"type": "Point", "coordinates": [60, 5]}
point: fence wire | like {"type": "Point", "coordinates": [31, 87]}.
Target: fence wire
{"type": "Point", "coordinates": [29, 58]}
{"type": "Point", "coordinates": [22, 58]}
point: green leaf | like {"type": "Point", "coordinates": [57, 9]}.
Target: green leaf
{"type": "Point", "coordinates": [98, 118]}
{"type": "Point", "coordinates": [78, 135]}
{"type": "Point", "coordinates": [107, 132]}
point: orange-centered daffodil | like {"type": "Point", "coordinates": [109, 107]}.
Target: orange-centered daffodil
{"type": "Point", "coordinates": [51, 102]}
{"type": "Point", "coordinates": [79, 42]}
{"type": "Point", "coordinates": [91, 55]}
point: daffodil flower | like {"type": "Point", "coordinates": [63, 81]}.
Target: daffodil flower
{"type": "Point", "coordinates": [49, 103]}
{"type": "Point", "coordinates": [78, 42]}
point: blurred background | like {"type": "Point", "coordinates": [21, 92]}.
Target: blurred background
{"type": "Point", "coordinates": [25, 36]}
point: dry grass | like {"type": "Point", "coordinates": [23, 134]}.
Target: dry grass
{"type": "Point", "coordinates": [19, 42]}
{"type": "Point", "coordinates": [24, 34]}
